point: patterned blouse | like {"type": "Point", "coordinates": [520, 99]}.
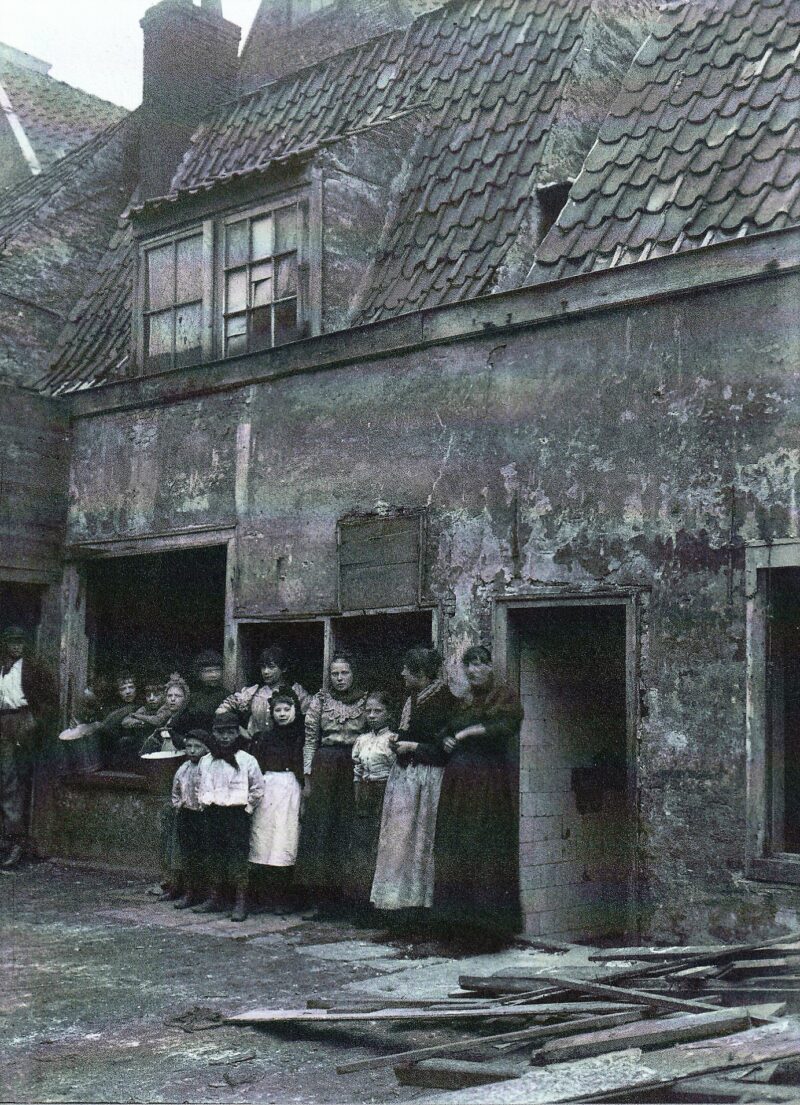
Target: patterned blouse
{"type": "Point", "coordinates": [330, 722]}
{"type": "Point", "coordinates": [255, 701]}
{"type": "Point", "coordinates": [373, 756]}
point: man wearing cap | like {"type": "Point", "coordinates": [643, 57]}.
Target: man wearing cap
{"type": "Point", "coordinates": [27, 695]}
{"type": "Point", "coordinates": [207, 690]}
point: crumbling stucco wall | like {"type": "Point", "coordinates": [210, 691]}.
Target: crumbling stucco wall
{"type": "Point", "coordinates": [639, 447]}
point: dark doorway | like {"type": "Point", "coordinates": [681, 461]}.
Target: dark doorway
{"type": "Point", "coordinates": [20, 604]}
{"type": "Point", "coordinates": [155, 612]}
{"type": "Point", "coordinates": [576, 831]}
{"type": "Point", "coordinates": [304, 645]}
{"type": "Point", "coordinates": [783, 699]}
{"type": "Point", "coordinates": [378, 643]}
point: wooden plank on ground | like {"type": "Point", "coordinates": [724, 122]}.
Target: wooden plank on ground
{"type": "Point", "coordinates": [454, 1074]}
{"type": "Point", "coordinates": [622, 1071]}
{"type": "Point", "coordinates": [495, 985]}
{"type": "Point", "coordinates": [637, 997]}
{"type": "Point", "coordinates": [646, 1035]}
{"type": "Point", "coordinates": [745, 968]}
{"type": "Point", "coordinates": [717, 1089]}
{"type": "Point", "coordinates": [322, 1016]}
{"type": "Point", "coordinates": [657, 955]}
{"type": "Point", "coordinates": [789, 944]}
{"type": "Point", "coordinates": [474, 1043]}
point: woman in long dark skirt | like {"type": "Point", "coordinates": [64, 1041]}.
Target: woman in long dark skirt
{"type": "Point", "coordinates": [477, 870]}
{"type": "Point", "coordinates": [334, 719]}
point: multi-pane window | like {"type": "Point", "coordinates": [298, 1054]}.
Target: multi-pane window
{"type": "Point", "coordinates": [261, 280]}
{"type": "Point", "coordinates": [173, 303]}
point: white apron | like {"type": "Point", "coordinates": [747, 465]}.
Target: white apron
{"type": "Point", "coordinates": [275, 828]}
{"type": "Point", "coordinates": [404, 872]}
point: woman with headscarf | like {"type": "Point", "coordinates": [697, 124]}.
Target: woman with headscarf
{"type": "Point", "coordinates": [404, 872]}
{"type": "Point", "coordinates": [334, 719]}
{"type": "Point", "coordinates": [169, 731]}
{"type": "Point", "coordinates": [475, 853]}
{"type": "Point", "coordinates": [275, 828]}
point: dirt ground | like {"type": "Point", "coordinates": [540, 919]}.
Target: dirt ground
{"type": "Point", "coordinates": [92, 967]}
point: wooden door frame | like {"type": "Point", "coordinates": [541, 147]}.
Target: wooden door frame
{"type": "Point", "coordinates": [507, 668]}
{"type": "Point", "coordinates": [74, 641]}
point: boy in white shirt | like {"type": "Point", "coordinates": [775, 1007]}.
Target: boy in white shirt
{"type": "Point", "coordinates": [231, 786]}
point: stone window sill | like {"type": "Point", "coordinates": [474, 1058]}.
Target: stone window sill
{"type": "Point", "coordinates": [782, 867]}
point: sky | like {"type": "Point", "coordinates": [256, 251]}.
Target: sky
{"type": "Point", "coordinates": [93, 44]}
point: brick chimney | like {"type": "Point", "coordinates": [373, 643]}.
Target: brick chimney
{"type": "Point", "coordinates": [190, 67]}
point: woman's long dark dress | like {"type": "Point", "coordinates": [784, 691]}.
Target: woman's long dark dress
{"type": "Point", "coordinates": [476, 850]}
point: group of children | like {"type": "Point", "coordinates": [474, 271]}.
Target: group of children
{"type": "Point", "coordinates": [336, 796]}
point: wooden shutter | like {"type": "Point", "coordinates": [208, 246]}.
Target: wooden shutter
{"type": "Point", "coordinates": [379, 562]}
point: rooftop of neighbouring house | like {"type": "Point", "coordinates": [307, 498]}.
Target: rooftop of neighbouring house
{"type": "Point", "coordinates": [54, 117]}
{"type": "Point", "coordinates": [675, 139]}
{"type": "Point", "coordinates": [701, 145]}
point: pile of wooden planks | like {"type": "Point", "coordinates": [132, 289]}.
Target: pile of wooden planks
{"type": "Point", "coordinates": [648, 1017]}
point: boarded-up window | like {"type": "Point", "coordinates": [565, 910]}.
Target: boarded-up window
{"type": "Point", "coordinates": [379, 563]}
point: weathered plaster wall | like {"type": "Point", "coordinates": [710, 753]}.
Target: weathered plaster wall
{"type": "Point", "coordinates": [33, 479]}
{"type": "Point", "coordinates": [638, 447]}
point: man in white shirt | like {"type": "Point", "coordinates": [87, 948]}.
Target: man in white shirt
{"type": "Point", "coordinates": [26, 694]}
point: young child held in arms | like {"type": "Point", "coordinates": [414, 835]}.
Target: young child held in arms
{"type": "Point", "coordinates": [231, 786]}
{"type": "Point", "coordinates": [190, 821]}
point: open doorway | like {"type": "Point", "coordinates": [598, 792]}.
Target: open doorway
{"type": "Point", "coordinates": [154, 612]}
{"type": "Point", "coordinates": [378, 643]}
{"type": "Point", "coordinates": [577, 826]}
{"type": "Point", "coordinates": [782, 641]}
{"type": "Point", "coordinates": [302, 641]}
{"type": "Point", "coordinates": [20, 604]}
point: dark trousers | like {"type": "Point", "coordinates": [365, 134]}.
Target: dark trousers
{"type": "Point", "coordinates": [192, 831]}
{"type": "Point", "coordinates": [17, 731]}
{"type": "Point", "coordinates": [228, 829]}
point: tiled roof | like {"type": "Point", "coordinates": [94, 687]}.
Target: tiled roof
{"type": "Point", "coordinates": [496, 131]}
{"type": "Point", "coordinates": [702, 144]}
{"type": "Point", "coordinates": [55, 116]}
{"type": "Point", "coordinates": [522, 91]}
{"type": "Point", "coordinates": [323, 101]}
{"type": "Point", "coordinates": [54, 229]}
{"type": "Point", "coordinates": [95, 345]}
{"type": "Point", "coordinates": [515, 91]}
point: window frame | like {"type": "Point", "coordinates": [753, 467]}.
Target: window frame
{"type": "Point", "coordinates": [298, 198]}
{"type": "Point", "coordinates": [307, 200]}
{"type": "Point", "coordinates": [205, 230]}
{"type": "Point", "coordinates": [417, 521]}
{"type": "Point", "coordinates": [765, 861]}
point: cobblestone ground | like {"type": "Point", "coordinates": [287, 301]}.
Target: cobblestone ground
{"type": "Point", "coordinates": [92, 967]}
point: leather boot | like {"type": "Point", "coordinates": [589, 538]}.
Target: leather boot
{"type": "Point", "coordinates": [13, 858]}
{"type": "Point", "coordinates": [214, 904]}
{"type": "Point", "coordinates": [240, 909]}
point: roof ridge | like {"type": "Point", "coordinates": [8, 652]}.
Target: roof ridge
{"type": "Point", "coordinates": [37, 183]}
{"type": "Point", "coordinates": [65, 84]}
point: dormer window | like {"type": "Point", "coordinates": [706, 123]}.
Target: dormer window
{"type": "Point", "coordinates": [236, 284]}
{"type": "Point", "coordinates": [262, 303]}
{"type": "Point", "coordinates": [173, 303]}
